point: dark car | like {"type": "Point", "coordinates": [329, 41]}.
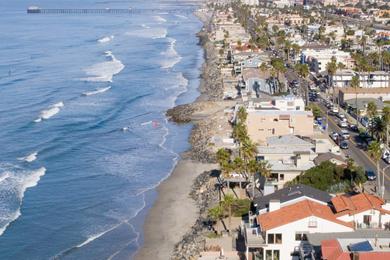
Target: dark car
{"type": "Point", "coordinates": [370, 174]}
{"type": "Point", "coordinates": [353, 128]}
{"type": "Point", "coordinates": [344, 145]}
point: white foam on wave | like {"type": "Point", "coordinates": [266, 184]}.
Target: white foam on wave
{"type": "Point", "coordinates": [97, 91]}
{"type": "Point", "coordinates": [145, 26]}
{"type": "Point", "coordinates": [106, 39]}
{"type": "Point", "coordinates": [171, 55]}
{"type": "Point", "coordinates": [4, 176]}
{"type": "Point", "coordinates": [50, 112]}
{"type": "Point", "coordinates": [159, 19]}
{"type": "Point", "coordinates": [29, 158]}
{"type": "Point", "coordinates": [104, 71]}
{"type": "Point", "coordinates": [149, 33]}
{"type": "Point", "coordinates": [181, 16]}
{"type": "Point", "coordinates": [12, 189]}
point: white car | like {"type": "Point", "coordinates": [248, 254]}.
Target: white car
{"type": "Point", "coordinates": [334, 136]}
{"type": "Point", "coordinates": [343, 124]}
{"type": "Point", "coordinates": [335, 110]}
{"type": "Point", "coordinates": [341, 116]}
{"type": "Point", "coordinates": [345, 134]}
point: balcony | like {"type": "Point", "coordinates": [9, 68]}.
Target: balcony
{"type": "Point", "coordinates": [252, 234]}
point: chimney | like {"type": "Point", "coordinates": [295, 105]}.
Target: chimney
{"type": "Point", "coordinates": [274, 205]}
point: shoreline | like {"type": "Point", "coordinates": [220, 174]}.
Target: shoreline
{"type": "Point", "coordinates": [171, 227]}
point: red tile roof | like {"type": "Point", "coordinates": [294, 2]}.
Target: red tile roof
{"type": "Point", "coordinates": [357, 203]}
{"type": "Point", "coordinates": [298, 211]}
{"type": "Point", "coordinates": [331, 250]}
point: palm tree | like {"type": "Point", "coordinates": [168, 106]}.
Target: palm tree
{"type": "Point", "coordinates": [254, 167]}
{"type": "Point", "coordinates": [216, 213]}
{"type": "Point", "coordinates": [278, 65]}
{"type": "Point", "coordinates": [375, 151]}
{"type": "Point", "coordinates": [363, 42]}
{"type": "Point", "coordinates": [386, 119]}
{"type": "Point", "coordinates": [371, 109]}
{"type": "Point", "coordinates": [223, 158]}
{"type": "Point", "coordinates": [355, 83]}
{"type": "Point", "coordinates": [263, 67]}
{"type": "Point", "coordinates": [227, 202]}
{"type": "Point", "coordinates": [331, 69]}
{"type": "Point", "coordinates": [378, 128]}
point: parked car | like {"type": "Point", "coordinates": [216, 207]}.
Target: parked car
{"type": "Point", "coordinates": [341, 116]}
{"type": "Point", "coordinates": [370, 174]}
{"type": "Point", "coordinates": [343, 124]}
{"type": "Point", "coordinates": [334, 136]}
{"type": "Point", "coordinates": [344, 144]}
{"type": "Point", "coordinates": [353, 127]}
{"type": "Point", "coordinates": [345, 134]}
{"type": "Point", "coordinates": [334, 111]}
{"type": "Point", "coordinates": [365, 121]}
{"type": "Point", "coordinates": [387, 159]}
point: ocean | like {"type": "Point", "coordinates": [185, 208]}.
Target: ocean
{"type": "Point", "coordinates": [84, 139]}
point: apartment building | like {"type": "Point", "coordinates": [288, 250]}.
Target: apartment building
{"type": "Point", "coordinates": [317, 59]}
{"type": "Point", "coordinates": [374, 79]}
{"type": "Point", "coordinates": [264, 123]}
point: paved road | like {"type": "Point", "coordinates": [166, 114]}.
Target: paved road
{"type": "Point", "coordinates": [356, 150]}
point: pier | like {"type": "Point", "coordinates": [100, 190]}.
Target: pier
{"type": "Point", "coordinates": [38, 10]}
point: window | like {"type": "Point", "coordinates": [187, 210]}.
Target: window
{"type": "Point", "coordinates": [278, 238]}
{"type": "Point", "coordinates": [367, 219]}
{"type": "Point", "coordinates": [300, 236]}
{"type": "Point", "coordinates": [312, 223]}
{"type": "Point", "coordinates": [274, 238]}
{"type": "Point", "coordinates": [271, 238]}
{"type": "Point", "coordinates": [281, 177]}
{"type": "Point", "coordinates": [272, 255]}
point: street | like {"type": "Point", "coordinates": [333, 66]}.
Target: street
{"type": "Point", "coordinates": [356, 150]}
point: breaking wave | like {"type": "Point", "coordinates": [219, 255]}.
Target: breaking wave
{"type": "Point", "coordinates": [106, 39]}
{"type": "Point", "coordinates": [29, 158]}
{"type": "Point", "coordinates": [151, 33]}
{"type": "Point", "coordinates": [171, 56]}
{"type": "Point", "coordinates": [15, 181]}
{"type": "Point", "coordinates": [104, 71]}
{"type": "Point", "coordinates": [50, 112]}
{"type": "Point", "coordinates": [159, 19]}
{"type": "Point", "coordinates": [97, 91]}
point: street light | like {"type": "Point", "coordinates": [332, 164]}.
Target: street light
{"type": "Point", "coordinates": [383, 181]}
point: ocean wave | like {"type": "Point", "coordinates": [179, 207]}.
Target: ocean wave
{"type": "Point", "coordinates": [104, 71]}
{"type": "Point", "coordinates": [106, 39]}
{"type": "Point", "coordinates": [145, 26]}
{"type": "Point", "coordinates": [12, 189]}
{"type": "Point", "coordinates": [150, 33]}
{"type": "Point", "coordinates": [29, 158]}
{"type": "Point", "coordinates": [97, 91]}
{"type": "Point", "coordinates": [159, 19]}
{"type": "Point", "coordinates": [181, 16]}
{"type": "Point", "coordinates": [171, 55]}
{"type": "Point", "coordinates": [50, 112]}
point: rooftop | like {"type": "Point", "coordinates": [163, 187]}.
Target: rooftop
{"type": "Point", "coordinates": [292, 193]}
{"type": "Point", "coordinates": [326, 157]}
{"type": "Point", "coordinates": [365, 90]}
{"type": "Point", "coordinates": [298, 211]}
{"type": "Point", "coordinates": [357, 203]}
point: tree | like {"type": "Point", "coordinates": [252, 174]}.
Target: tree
{"type": "Point", "coordinates": [375, 152]}
{"type": "Point", "coordinates": [355, 83]}
{"type": "Point", "coordinates": [331, 69]}
{"type": "Point", "coordinates": [371, 109]}
{"type": "Point", "coordinates": [378, 128]}
{"type": "Point", "coordinates": [263, 67]}
{"type": "Point", "coordinates": [223, 158]}
{"type": "Point", "coordinates": [261, 167]}
{"type": "Point", "coordinates": [386, 120]}
{"type": "Point", "coordinates": [227, 202]}
{"type": "Point", "coordinates": [278, 65]}
{"type": "Point", "coordinates": [216, 213]}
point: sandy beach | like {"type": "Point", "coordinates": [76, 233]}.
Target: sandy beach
{"type": "Point", "coordinates": [173, 213]}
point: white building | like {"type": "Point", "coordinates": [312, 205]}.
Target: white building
{"type": "Point", "coordinates": [375, 79]}
{"type": "Point", "coordinates": [317, 59]}
{"type": "Point", "coordinates": [250, 2]}
{"type": "Point", "coordinates": [282, 103]}
{"type": "Point", "coordinates": [280, 232]}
